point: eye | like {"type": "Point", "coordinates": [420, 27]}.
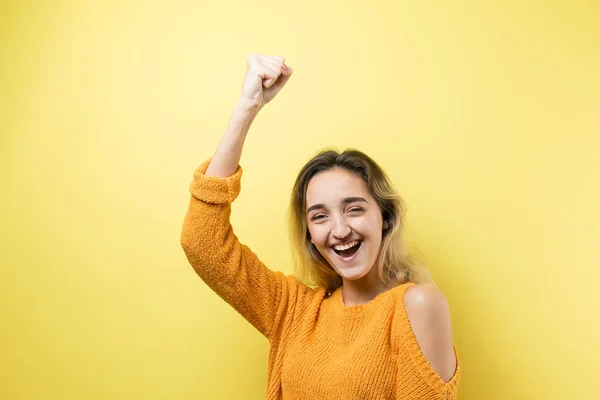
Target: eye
{"type": "Point", "coordinates": [317, 217]}
{"type": "Point", "coordinates": [356, 209]}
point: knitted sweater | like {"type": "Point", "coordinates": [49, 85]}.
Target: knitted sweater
{"type": "Point", "coordinates": [319, 348]}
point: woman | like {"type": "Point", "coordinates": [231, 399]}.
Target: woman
{"type": "Point", "coordinates": [372, 328]}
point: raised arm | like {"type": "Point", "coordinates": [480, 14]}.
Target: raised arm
{"type": "Point", "coordinates": [228, 267]}
{"type": "Point", "coordinates": [265, 77]}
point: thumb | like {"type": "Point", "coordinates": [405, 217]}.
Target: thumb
{"type": "Point", "coordinates": [269, 82]}
{"type": "Point", "coordinates": [286, 73]}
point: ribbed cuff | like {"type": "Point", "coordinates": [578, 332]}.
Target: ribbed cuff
{"type": "Point", "coordinates": [214, 189]}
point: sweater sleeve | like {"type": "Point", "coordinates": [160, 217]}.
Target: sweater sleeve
{"type": "Point", "coordinates": [228, 267]}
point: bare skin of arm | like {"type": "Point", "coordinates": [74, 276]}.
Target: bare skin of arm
{"type": "Point", "coordinates": [265, 77]}
{"type": "Point", "coordinates": [429, 316]}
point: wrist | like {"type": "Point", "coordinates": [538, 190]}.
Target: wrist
{"type": "Point", "coordinates": [247, 106]}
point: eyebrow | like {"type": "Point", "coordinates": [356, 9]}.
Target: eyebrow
{"type": "Point", "coordinates": [345, 201]}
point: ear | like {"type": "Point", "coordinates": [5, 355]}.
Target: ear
{"type": "Point", "coordinates": [386, 225]}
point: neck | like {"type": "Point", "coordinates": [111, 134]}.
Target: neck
{"type": "Point", "coordinates": [363, 290]}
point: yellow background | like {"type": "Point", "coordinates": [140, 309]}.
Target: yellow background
{"type": "Point", "coordinates": [484, 113]}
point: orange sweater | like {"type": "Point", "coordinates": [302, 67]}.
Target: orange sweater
{"type": "Point", "coordinates": [319, 348]}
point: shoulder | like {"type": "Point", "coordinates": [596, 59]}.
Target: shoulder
{"type": "Point", "coordinates": [426, 298]}
{"type": "Point", "coordinates": [429, 316]}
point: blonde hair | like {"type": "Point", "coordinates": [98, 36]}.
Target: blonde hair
{"type": "Point", "coordinates": [394, 263]}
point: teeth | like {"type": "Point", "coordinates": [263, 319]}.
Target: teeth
{"type": "Point", "coordinates": [341, 247]}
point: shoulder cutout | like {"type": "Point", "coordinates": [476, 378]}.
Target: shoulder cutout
{"type": "Point", "coordinates": [429, 316]}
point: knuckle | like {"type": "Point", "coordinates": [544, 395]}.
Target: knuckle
{"type": "Point", "coordinates": [252, 58]}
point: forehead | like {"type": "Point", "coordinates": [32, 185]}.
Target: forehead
{"type": "Point", "coordinates": [333, 185]}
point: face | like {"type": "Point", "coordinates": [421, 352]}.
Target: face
{"type": "Point", "coordinates": [344, 222]}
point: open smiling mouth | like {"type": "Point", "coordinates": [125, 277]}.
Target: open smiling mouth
{"type": "Point", "coordinates": [349, 252]}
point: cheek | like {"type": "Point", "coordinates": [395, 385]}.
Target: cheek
{"type": "Point", "coordinates": [369, 225]}
{"type": "Point", "coordinates": [372, 231]}
{"type": "Point", "coordinates": [314, 234]}
{"type": "Point", "coordinates": [318, 235]}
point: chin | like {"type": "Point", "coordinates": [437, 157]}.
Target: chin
{"type": "Point", "coordinates": [352, 274]}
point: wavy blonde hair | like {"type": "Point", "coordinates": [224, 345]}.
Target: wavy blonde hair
{"type": "Point", "coordinates": [394, 263]}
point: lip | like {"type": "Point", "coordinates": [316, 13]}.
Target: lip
{"type": "Point", "coordinates": [352, 257]}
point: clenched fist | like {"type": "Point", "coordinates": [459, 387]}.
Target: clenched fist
{"type": "Point", "coordinates": [265, 76]}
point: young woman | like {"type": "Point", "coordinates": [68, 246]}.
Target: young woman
{"type": "Point", "coordinates": [370, 326]}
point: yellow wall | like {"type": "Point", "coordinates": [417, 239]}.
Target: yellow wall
{"type": "Point", "coordinates": [485, 114]}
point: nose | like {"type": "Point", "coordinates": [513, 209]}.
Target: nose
{"type": "Point", "coordinates": [340, 229]}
